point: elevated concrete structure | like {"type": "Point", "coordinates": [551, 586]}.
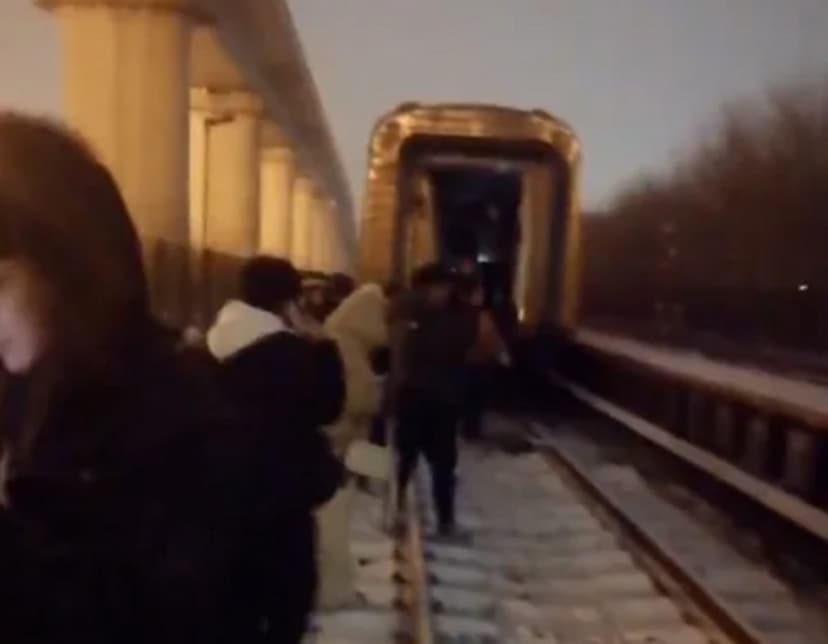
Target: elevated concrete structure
{"type": "Point", "coordinates": [302, 223]}
{"type": "Point", "coordinates": [261, 40]}
{"type": "Point", "coordinates": [277, 174]}
{"type": "Point", "coordinates": [126, 67]}
{"type": "Point", "coordinates": [208, 116]}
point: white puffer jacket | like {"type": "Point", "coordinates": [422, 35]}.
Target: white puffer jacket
{"type": "Point", "coordinates": [358, 326]}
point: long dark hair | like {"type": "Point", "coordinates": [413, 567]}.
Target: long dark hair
{"type": "Point", "coordinates": [62, 214]}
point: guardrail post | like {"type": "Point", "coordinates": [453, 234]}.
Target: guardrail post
{"type": "Point", "coordinates": [696, 426]}
{"type": "Point", "coordinates": [724, 434]}
{"type": "Point", "coordinates": [799, 470]}
{"type": "Point", "coordinates": [755, 456]}
{"type": "Point", "coordinates": [671, 408]}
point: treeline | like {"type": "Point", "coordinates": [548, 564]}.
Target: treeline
{"type": "Point", "coordinates": [733, 244]}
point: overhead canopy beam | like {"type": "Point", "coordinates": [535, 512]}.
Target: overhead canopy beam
{"type": "Point", "coordinates": [261, 39]}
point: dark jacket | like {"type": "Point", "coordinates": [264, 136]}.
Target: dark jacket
{"type": "Point", "coordinates": [287, 387]}
{"type": "Point", "coordinates": [125, 516]}
{"type": "Point", "coordinates": [435, 344]}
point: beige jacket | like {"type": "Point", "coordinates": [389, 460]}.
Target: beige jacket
{"type": "Point", "coordinates": [358, 326]}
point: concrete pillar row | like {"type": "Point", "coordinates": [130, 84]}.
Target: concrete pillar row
{"type": "Point", "coordinates": [232, 198]}
{"type": "Point", "coordinates": [327, 240]}
{"type": "Point", "coordinates": [200, 123]}
{"type": "Point", "coordinates": [125, 78]}
{"type": "Point", "coordinates": [346, 262]}
{"type": "Point", "coordinates": [335, 250]}
{"type": "Point", "coordinates": [278, 170]}
{"type": "Point", "coordinates": [317, 233]}
{"type": "Point", "coordinates": [335, 254]}
{"type": "Point", "coordinates": [301, 222]}
{"type": "Point", "coordinates": [344, 253]}
{"type": "Point", "coordinates": [333, 259]}
{"type": "Point", "coordinates": [330, 243]}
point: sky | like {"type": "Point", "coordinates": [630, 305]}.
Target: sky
{"type": "Point", "coordinates": [639, 80]}
{"type": "Point", "coordinates": [29, 58]}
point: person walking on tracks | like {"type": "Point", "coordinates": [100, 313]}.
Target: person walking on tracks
{"type": "Point", "coordinates": [435, 341]}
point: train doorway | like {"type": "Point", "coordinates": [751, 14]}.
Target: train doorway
{"type": "Point", "coordinates": [476, 220]}
{"type": "Point", "coordinates": [500, 214]}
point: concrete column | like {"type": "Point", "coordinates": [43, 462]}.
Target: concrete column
{"type": "Point", "coordinates": [315, 224]}
{"type": "Point", "coordinates": [333, 252]}
{"type": "Point", "coordinates": [329, 251]}
{"type": "Point", "coordinates": [348, 258]}
{"type": "Point", "coordinates": [232, 204]}
{"type": "Point", "coordinates": [338, 257]}
{"type": "Point", "coordinates": [125, 82]}
{"type": "Point", "coordinates": [301, 222]}
{"type": "Point", "coordinates": [321, 231]}
{"type": "Point", "coordinates": [277, 174]}
{"type": "Point", "coordinates": [332, 241]}
{"type": "Point", "coordinates": [199, 125]}
{"type": "Point", "coordinates": [126, 68]}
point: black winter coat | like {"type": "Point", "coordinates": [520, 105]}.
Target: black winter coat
{"type": "Point", "coordinates": [435, 347]}
{"type": "Point", "coordinates": [287, 388]}
{"type": "Point", "coordinates": [126, 522]}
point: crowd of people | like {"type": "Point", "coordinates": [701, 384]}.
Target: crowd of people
{"type": "Point", "coordinates": [160, 490]}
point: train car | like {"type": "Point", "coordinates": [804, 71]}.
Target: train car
{"type": "Point", "coordinates": [477, 183]}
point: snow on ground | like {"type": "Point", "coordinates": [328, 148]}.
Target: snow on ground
{"type": "Point", "coordinates": [379, 620]}
{"type": "Point", "coordinates": [538, 566]}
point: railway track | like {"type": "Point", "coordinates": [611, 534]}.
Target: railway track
{"type": "Point", "coordinates": [735, 598]}
{"type": "Point", "coordinates": [546, 565]}
{"type": "Point", "coordinates": [390, 578]}
{"type": "Point", "coordinates": [567, 551]}
{"type": "Point", "coordinates": [563, 548]}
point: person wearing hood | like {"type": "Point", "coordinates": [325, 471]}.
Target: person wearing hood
{"type": "Point", "coordinates": [288, 385]}
{"type": "Point", "coordinates": [359, 327]}
{"type": "Point", "coordinates": [119, 518]}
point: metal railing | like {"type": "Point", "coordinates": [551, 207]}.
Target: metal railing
{"type": "Point", "coordinates": [767, 446]}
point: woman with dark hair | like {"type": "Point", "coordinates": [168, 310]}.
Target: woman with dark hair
{"type": "Point", "coordinates": [122, 497]}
